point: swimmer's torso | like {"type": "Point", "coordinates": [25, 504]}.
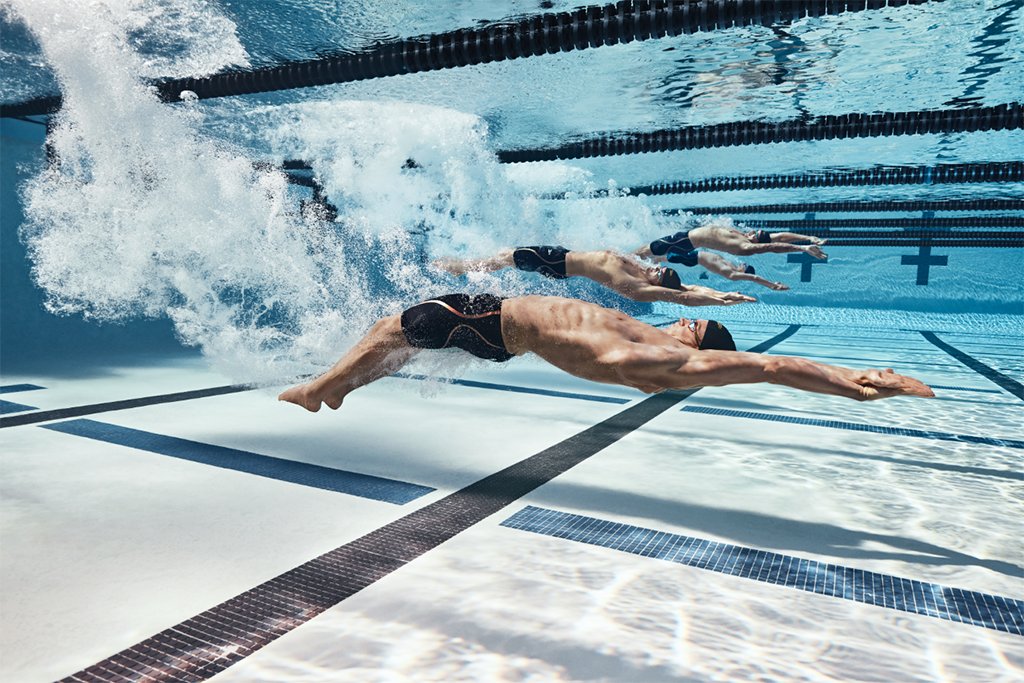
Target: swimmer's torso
{"type": "Point", "coordinates": [579, 337]}
{"type": "Point", "coordinates": [609, 268]}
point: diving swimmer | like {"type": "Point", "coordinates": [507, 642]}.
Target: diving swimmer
{"type": "Point", "coordinates": [588, 341]}
{"type": "Point", "coordinates": [731, 241]}
{"type": "Point", "coordinates": [720, 266]}
{"type": "Point", "coordinates": [613, 270]}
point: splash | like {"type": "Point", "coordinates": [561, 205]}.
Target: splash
{"type": "Point", "coordinates": [149, 215]}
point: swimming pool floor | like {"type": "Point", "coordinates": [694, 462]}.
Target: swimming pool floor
{"type": "Point", "coordinates": [519, 525]}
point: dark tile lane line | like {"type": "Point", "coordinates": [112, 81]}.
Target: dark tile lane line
{"type": "Point", "coordinates": [857, 426]}
{"type": "Point", "coordinates": [208, 643]}
{"type": "Point", "coordinates": [881, 590]}
{"type": "Point", "coordinates": [7, 407]}
{"type": "Point", "coordinates": [79, 411]}
{"type": "Point", "coordinates": [12, 388]}
{"type": "Point", "coordinates": [1011, 385]}
{"type": "Point", "coordinates": [281, 469]}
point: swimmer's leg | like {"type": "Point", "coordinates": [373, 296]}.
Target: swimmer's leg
{"type": "Point", "coordinates": [381, 353]}
{"type": "Point", "coordinates": [460, 266]}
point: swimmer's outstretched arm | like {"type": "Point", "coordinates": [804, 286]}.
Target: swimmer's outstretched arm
{"type": "Point", "coordinates": [719, 368]}
{"type": "Point", "coordinates": [750, 248]}
{"type": "Point", "coordinates": [645, 252]}
{"type": "Point", "coordinates": [381, 353]}
{"type": "Point", "coordinates": [460, 266]}
{"type": "Point", "coordinates": [727, 269]}
{"type": "Point", "coordinates": [794, 237]}
{"type": "Point", "coordinates": [686, 295]}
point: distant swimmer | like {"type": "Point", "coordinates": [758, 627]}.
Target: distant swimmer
{"type": "Point", "coordinates": [586, 340]}
{"type": "Point", "coordinates": [731, 241]}
{"type": "Point", "coordinates": [719, 266]}
{"type": "Point", "coordinates": [613, 270]}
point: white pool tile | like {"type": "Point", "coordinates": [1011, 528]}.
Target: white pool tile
{"type": "Point", "coordinates": [107, 545]}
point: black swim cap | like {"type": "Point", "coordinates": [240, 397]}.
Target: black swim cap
{"type": "Point", "coordinates": [717, 338]}
{"type": "Point", "coordinates": [670, 279]}
{"type": "Point", "coordinates": [749, 269]}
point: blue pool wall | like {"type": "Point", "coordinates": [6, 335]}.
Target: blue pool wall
{"type": "Point", "coordinates": [32, 339]}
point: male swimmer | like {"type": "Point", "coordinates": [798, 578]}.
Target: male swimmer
{"type": "Point", "coordinates": [586, 340]}
{"type": "Point", "coordinates": [615, 271]}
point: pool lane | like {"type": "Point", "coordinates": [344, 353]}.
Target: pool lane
{"type": "Point", "coordinates": [301, 473]}
{"type": "Point", "coordinates": [7, 407]}
{"type": "Point", "coordinates": [209, 643]}
{"type": "Point", "coordinates": [1008, 383]}
{"type": "Point", "coordinates": [857, 427]}
{"type": "Point", "coordinates": [881, 590]}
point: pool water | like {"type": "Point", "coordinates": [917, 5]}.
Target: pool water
{"type": "Point", "coordinates": [162, 283]}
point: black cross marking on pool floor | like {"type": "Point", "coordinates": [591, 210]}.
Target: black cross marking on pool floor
{"type": "Point", "coordinates": [924, 260]}
{"type": "Point", "coordinates": [806, 261]}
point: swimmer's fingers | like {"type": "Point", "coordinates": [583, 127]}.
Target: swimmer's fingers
{"type": "Point", "coordinates": [875, 384]}
{"type": "Point", "coordinates": [730, 298]}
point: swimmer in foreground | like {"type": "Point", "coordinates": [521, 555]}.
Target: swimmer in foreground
{"type": "Point", "coordinates": [586, 340]}
{"type": "Point", "coordinates": [732, 241]}
{"type": "Point", "coordinates": [615, 271]}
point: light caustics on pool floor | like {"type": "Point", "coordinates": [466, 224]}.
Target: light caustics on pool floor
{"type": "Point", "coordinates": [212, 641]}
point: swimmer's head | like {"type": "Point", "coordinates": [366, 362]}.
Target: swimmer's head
{"type": "Point", "coordinates": [716, 338]}
{"type": "Point", "coordinates": [749, 270]}
{"type": "Point", "coordinates": [670, 279]}
{"type": "Point", "coordinates": [702, 334]}
{"type": "Point", "coordinates": [662, 277]}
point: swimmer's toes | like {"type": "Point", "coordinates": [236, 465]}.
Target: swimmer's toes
{"type": "Point", "coordinates": [297, 395]}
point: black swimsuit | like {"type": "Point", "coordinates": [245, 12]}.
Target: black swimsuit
{"type": "Point", "coordinates": [688, 259]}
{"type": "Point", "coordinates": [548, 261]}
{"type": "Point", "coordinates": [678, 243]}
{"type": "Point", "coordinates": [463, 321]}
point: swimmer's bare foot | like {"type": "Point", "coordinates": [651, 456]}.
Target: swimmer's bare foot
{"type": "Point", "coordinates": [452, 266]}
{"type": "Point", "coordinates": [302, 396]}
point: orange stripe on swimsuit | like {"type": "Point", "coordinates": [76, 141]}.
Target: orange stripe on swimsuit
{"type": "Point", "coordinates": [441, 323]}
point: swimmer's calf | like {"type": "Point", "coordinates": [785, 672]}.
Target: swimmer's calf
{"type": "Point", "coordinates": [379, 354]}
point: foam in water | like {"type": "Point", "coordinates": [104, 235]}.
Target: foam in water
{"type": "Point", "coordinates": [148, 216]}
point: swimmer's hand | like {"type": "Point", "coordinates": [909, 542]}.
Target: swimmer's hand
{"type": "Point", "coordinates": [731, 298]}
{"type": "Point", "coordinates": [695, 295]}
{"type": "Point", "coordinates": [778, 286]}
{"type": "Point", "coordinates": [815, 251]}
{"type": "Point", "coordinates": [452, 266]}
{"type": "Point", "coordinates": [876, 384]}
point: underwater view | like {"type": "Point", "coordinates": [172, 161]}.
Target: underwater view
{"type": "Point", "coordinates": [208, 203]}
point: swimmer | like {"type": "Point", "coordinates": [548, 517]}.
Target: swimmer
{"type": "Point", "coordinates": [720, 266]}
{"type": "Point", "coordinates": [613, 270]}
{"type": "Point", "coordinates": [732, 241]}
{"type": "Point", "coordinates": [586, 340]}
